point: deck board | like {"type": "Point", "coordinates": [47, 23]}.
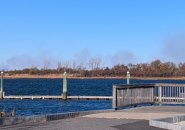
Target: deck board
{"type": "Point", "coordinates": [58, 97]}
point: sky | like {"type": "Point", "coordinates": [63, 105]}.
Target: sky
{"type": "Point", "coordinates": [38, 32]}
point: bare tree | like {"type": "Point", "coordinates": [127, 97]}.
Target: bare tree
{"type": "Point", "coordinates": [74, 64]}
{"type": "Point", "coordinates": [46, 64]}
{"type": "Point", "coordinates": [66, 64]}
{"type": "Point", "coordinates": [95, 63]}
{"type": "Point", "coordinates": [59, 65]}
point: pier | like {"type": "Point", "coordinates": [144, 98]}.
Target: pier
{"type": "Point", "coordinates": [63, 96]}
{"type": "Point", "coordinates": [125, 95]}
{"type": "Point", "coordinates": [135, 94]}
{"type": "Point", "coordinates": [156, 117]}
{"type": "Point", "coordinates": [122, 95]}
{"type": "Point", "coordinates": [19, 97]}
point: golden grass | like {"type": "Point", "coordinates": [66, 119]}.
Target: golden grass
{"type": "Point", "coordinates": [54, 76]}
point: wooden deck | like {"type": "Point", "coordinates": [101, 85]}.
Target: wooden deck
{"type": "Point", "coordinates": [19, 97]}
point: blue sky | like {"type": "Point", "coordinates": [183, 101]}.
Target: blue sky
{"type": "Point", "coordinates": [33, 32]}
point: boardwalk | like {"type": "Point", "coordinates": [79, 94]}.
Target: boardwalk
{"type": "Point", "coordinates": [59, 97]}
{"type": "Point", "coordinates": [127, 119]}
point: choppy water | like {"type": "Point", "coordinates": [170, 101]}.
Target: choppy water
{"type": "Point", "coordinates": [82, 87]}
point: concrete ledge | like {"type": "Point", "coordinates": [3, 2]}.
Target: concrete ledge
{"type": "Point", "coordinates": [168, 123]}
{"type": "Point", "coordinates": [59, 116]}
{"type": "Point", "coordinates": [45, 118]}
{"type": "Point", "coordinates": [18, 120]}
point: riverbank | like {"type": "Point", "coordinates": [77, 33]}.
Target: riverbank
{"type": "Point", "coordinates": [56, 76]}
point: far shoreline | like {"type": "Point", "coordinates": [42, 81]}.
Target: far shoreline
{"type": "Point", "coordinates": [58, 76]}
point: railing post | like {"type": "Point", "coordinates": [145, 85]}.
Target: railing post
{"type": "Point", "coordinates": [152, 90]}
{"type": "Point", "coordinates": [155, 93]}
{"type": "Point", "coordinates": [114, 97]}
{"type": "Point", "coordinates": [160, 94]}
{"type": "Point", "coordinates": [64, 94]}
{"type": "Point", "coordinates": [128, 77]}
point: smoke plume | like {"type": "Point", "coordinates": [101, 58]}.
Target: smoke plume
{"type": "Point", "coordinates": [123, 57]}
{"type": "Point", "coordinates": [174, 48]}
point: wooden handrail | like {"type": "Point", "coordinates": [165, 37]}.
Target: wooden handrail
{"type": "Point", "coordinates": [132, 94]}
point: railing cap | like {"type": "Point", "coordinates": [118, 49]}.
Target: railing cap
{"type": "Point", "coordinates": [170, 85]}
{"type": "Point", "coordinates": [134, 85]}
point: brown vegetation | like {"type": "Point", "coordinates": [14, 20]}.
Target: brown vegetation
{"type": "Point", "coordinates": [153, 69]}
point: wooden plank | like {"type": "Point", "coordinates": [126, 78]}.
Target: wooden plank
{"type": "Point", "coordinates": [133, 95]}
{"type": "Point", "coordinates": [171, 85]}
{"type": "Point", "coordinates": [138, 94]}
{"type": "Point", "coordinates": [114, 97]}
{"type": "Point", "coordinates": [160, 94]}
{"type": "Point", "coordinates": [59, 97]}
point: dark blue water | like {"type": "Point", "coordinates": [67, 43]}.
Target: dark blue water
{"type": "Point", "coordinates": [42, 107]}
{"type": "Point", "coordinates": [82, 87]}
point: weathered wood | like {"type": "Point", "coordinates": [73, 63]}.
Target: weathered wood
{"type": "Point", "coordinates": [126, 95]}
{"type": "Point", "coordinates": [160, 94]}
{"type": "Point", "coordinates": [114, 95]}
{"type": "Point", "coordinates": [64, 94]}
{"type": "Point", "coordinates": [59, 97]}
{"type": "Point", "coordinates": [172, 85]}
{"type": "Point", "coordinates": [132, 94]}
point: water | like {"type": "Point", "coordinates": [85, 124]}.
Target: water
{"type": "Point", "coordinates": [81, 87]}
{"type": "Point", "coordinates": [86, 87]}
{"type": "Point", "coordinates": [41, 107]}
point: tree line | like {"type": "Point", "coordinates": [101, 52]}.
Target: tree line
{"type": "Point", "coordinates": [154, 69]}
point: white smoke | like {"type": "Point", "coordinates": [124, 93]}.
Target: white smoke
{"type": "Point", "coordinates": [123, 57]}
{"type": "Point", "coordinates": [174, 48]}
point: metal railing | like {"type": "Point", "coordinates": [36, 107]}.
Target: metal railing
{"type": "Point", "coordinates": [134, 94]}
{"type": "Point", "coordinates": [170, 94]}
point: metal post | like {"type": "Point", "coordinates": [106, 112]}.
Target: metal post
{"type": "Point", "coordinates": [160, 94]}
{"type": "Point", "coordinates": [64, 94]}
{"type": "Point", "coordinates": [1, 92]}
{"type": "Point", "coordinates": [128, 77]}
